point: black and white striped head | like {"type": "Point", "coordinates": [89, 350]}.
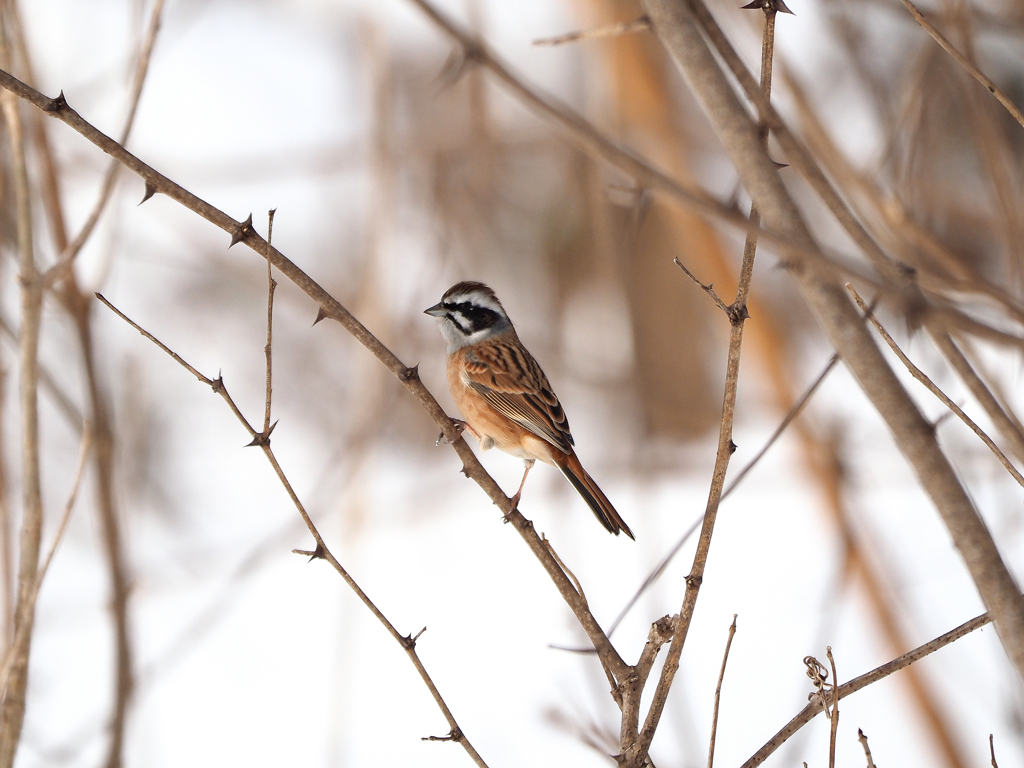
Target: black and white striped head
{"type": "Point", "coordinates": [467, 313]}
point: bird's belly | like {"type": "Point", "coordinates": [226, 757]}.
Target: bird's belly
{"type": "Point", "coordinates": [495, 429]}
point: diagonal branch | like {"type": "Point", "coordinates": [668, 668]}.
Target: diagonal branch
{"type": "Point", "coordinates": [930, 385]}
{"type": "Point", "coordinates": [676, 25]}
{"type": "Point", "coordinates": [846, 689]}
{"type": "Point", "coordinates": [408, 643]}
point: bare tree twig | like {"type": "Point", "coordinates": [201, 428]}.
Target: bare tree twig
{"type": "Point", "coordinates": [268, 350]}
{"type": "Point", "coordinates": [83, 454]}
{"type": "Point", "coordinates": [718, 693]}
{"type": "Point", "coordinates": [72, 249]}
{"type": "Point", "coordinates": [408, 643]}
{"type": "Point", "coordinates": [330, 307]}
{"type": "Point", "coordinates": [918, 374]}
{"type": "Point", "coordinates": [846, 689]}
{"type": "Point", "coordinates": [708, 289]}
{"type": "Point", "coordinates": [608, 30]}
{"type": "Point", "coordinates": [677, 26]}
{"type": "Point", "coordinates": [790, 416]}
{"type": "Point", "coordinates": [863, 739]}
{"type": "Point", "coordinates": [12, 712]}
{"type": "Point", "coordinates": [964, 62]}
{"type": "Point", "coordinates": [834, 715]}
{"type": "Point", "coordinates": [637, 750]}
{"type": "Point", "coordinates": [992, 751]}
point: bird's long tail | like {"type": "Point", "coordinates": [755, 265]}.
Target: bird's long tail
{"type": "Point", "coordinates": [595, 498]}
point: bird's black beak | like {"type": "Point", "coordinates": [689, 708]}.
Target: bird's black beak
{"type": "Point", "coordinates": [437, 310]}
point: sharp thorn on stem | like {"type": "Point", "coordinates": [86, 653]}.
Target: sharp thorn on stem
{"type": "Point", "coordinates": [320, 315]}
{"type": "Point", "coordinates": [149, 191]}
{"type": "Point", "coordinates": [243, 231]}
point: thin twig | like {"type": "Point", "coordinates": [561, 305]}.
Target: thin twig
{"type": "Point", "coordinates": [12, 712]}
{"type": "Point", "coordinates": [709, 289]}
{"type": "Point", "coordinates": [846, 689]}
{"type": "Point", "coordinates": [918, 374]}
{"type": "Point", "coordinates": [863, 739]}
{"type": "Point", "coordinates": [964, 62]}
{"type": "Point", "coordinates": [69, 505]}
{"type": "Point", "coordinates": [637, 750]}
{"type": "Point", "coordinates": [791, 415]}
{"type": "Point", "coordinates": [834, 715]}
{"type": "Point", "coordinates": [72, 249]}
{"type": "Point", "coordinates": [268, 350]}
{"type": "Point", "coordinates": [607, 30]}
{"type": "Point", "coordinates": [718, 693]}
{"type": "Point", "coordinates": [992, 751]}
{"type": "Point", "coordinates": [242, 231]}
{"type": "Point", "coordinates": [408, 643]}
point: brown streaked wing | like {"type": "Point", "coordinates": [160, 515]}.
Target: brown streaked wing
{"type": "Point", "coordinates": [511, 380]}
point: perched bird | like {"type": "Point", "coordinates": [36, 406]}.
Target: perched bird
{"type": "Point", "coordinates": [504, 395]}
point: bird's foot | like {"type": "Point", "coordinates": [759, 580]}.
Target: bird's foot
{"type": "Point", "coordinates": [460, 427]}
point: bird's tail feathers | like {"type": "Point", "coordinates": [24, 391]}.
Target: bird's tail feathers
{"type": "Point", "coordinates": [595, 498]}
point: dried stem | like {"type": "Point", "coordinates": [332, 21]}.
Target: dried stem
{"type": "Point", "coordinates": [737, 314]}
{"type": "Point", "coordinates": [918, 374]}
{"type": "Point", "coordinates": [408, 643]}
{"type": "Point", "coordinates": [846, 689]}
{"type": "Point", "coordinates": [718, 693]}
{"type": "Point", "coordinates": [790, 416]}
{"type": "Point", "coordinates": [12, 712]}
{"type": "Point", "coordinates": [268, 350]}
{"type": "Point", "coordinates": [330, 307]}
{"type": "Point", "coordinates": [964, 62]}
{"type": "Point", "coordinates": [70, 250]}
{"type": "Point", "coordinates": [834, 714]}
{"type": "Point", "coordinates": [677, 26]}
{"type": "Point", "coordinates": [991, 751]}
{"type": "Point", "coordinates": [608, 30]}
{"type": "Point", "coordinates": [20, 636]}
{"type": "Point", "coordinates": [863, 739]}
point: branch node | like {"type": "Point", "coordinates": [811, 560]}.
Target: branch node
{"type": "Point", "coordinates": [694, 582]}
{"type": "Point", "coordinates": [411, 373]}
{"type": "Point", "coordinates": [455, 734]}
{"type": "Point", "coordinates": [768, 6]}
{"type": "Point", "coordinates": [732, 447]}
{"type": "Point", "coordinates": [218, 385]}
{"type": "Point", "coordinates": [409, 641]}
{"type": "Point", "coordinates": [242, 231]}
{"type": "Point", "coordinates": [316, 554]}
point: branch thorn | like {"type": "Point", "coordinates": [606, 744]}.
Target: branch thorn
{"type": "Point", "coordinates": [147, 193]}
{"type": "Point", "coordinates": [243, 231]}
{"type": "Point", "coordinates": [320, 315]}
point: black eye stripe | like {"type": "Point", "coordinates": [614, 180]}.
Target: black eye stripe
{"type": "Point", "coordinates": [476, 318]}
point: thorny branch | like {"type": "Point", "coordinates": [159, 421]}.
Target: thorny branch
{"type": "Point", "coordinates": [330, 307]}
{"type": "Point", "coordinates": [920, 375]}
{"type": "Point", "coordinates": [408, 643]}
{"type": "Point", "coordinates": [680, 28]}
{"type": "Point", "coordinates": [637, 750]}
{"type": "Point", "coordinates": [846, 689]}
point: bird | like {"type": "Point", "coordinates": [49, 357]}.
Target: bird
{"type": "Point", "coordinates": [504, 395]}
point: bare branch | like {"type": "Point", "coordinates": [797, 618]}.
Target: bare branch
{"type": "Point", "coordinates": [608, 30]}
{"type": "Point", "coordinates": [718, 693]}
{"type": "Point", "coordinates": [918, 374]}
{"type": "Point", "coordinates": [408, 643]}
{"type": "Point", "coordinates": [708, 289]}
{"type": "Point", "coordinates": [72, 249]}
{"type": "Point", "coordinates": [846, 689]}
{"type": "Point", "coordinates": [863, 739]}
{"type": "Point", "coordinates": [268, 350]}
{"type": "Point", "coordinates": [991, 750]}
{"type": "Point", "coordinates": [834, 715]}
{"type": "Point", "coordinates": [964, 62]}
{"type": "Point", "coordinates": [678, 28]}
{"type": "Point", "coordinates": [20, 636]}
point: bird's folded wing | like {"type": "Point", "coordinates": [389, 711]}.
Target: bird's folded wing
{"type": "Point", "coordinates": [511, 381]}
